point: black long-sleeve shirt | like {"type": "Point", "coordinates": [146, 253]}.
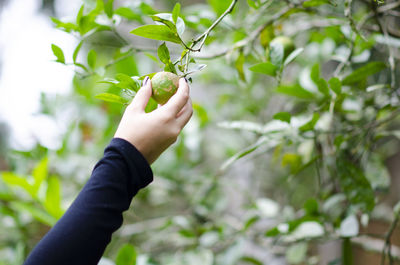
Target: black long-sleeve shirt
{"type": "Point", "coordinates": [83, 232]}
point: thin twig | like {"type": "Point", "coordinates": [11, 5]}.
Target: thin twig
{"type": "Point", "coordinates": [391, 60]}
{"type": "Point", "coordinates": [348, 14]}
{"type": "Point", "coordinates": [387, 248]}
{"type": "Point", "coordinates": [388, 7]}
{"type": "Point", "coordinates": [253, 35]}
{"type": "Point", "coordinates": [204, 36]}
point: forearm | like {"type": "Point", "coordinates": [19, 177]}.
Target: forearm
{"type": "Point", "coordinates": [82, 234]}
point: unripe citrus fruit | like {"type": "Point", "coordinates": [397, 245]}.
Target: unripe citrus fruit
{"type": "Point", "coordinates": [286, 42]}
{"type": "Point", "coordinates": [164, 85]}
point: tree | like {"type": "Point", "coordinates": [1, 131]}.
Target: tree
{"type": "Point", "coordinates": [324, 111]}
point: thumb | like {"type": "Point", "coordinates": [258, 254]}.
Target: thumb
{"type": "Point", "coordinates": [142, 96]}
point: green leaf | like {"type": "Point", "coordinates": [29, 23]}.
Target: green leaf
{"type": "Point", "coordinates": [253, 4]}
{"type": "Point", "coordinates": [80, 14]}
{"type": "Point", "coordinates": [108, 8]}
{"type": "Point", "coordinates": [297, 253]}
{"type": "Point", "coordinates": [239, 66]}
{"type": "Point", "coordinates": [127, 82]}
{"type": "Point", "coordinates": [323, 87]}
{"type": "Point", "coordinates": [196, 68]}
{"type": "Point", "coordinates": [147, 9]}
{"type": "Point", "coordinates": [35, 212]}
{"type": "Point", "coordinates": [295, 91]}
{"type": "Point", "coordinates": [175, 12]}
{"type": "Point", "coordinates": [166, 19]}
{"type": "Point", "coordinates": [311, 124]}
{"type": "Point", "coordinates": [170, 67]}
{"type": "Point", "coordinates": [294, 224]}
{"type": "Point", "coordinates": [252, 220]}
{"type": "Point", "coordinates": [315, 73]}
{"type": "Point", "coordinates": [52, 201]}
{"type": "Point", "coordinates": [15, 180]}
{"type": "Point", "coordinates": [250, 260]}
{"type": "Point", "coordinates": [111, 98]}
{"type": "Point", "coordinates": [261, 141]}
{"type": "Point", "coordinates": [354, 184]}
{"type": "Point", "coordinates": [267, 35]}
{"type": "Point", "coordinates": [376, 87]}
{"type": "Point", "coordinates": [283, 116]}
{"type": "Point", "coordinates": [163, 53]}
{"type": "Point", "coordinates": [264, 68]}
{"type": "Point", "coordinates": [39, 174]}
{"type": "Point", "coordinates": [58, 53]}
{"type": "Point", "coordinates": [157, 32]}
{"type": "Point", "coordinates": [336, 85]}
{"type": "Point", "coordinates": [292, 160]}
{"type": "Point", "coordinates": [293, 56]}
{"type": "Point", "coordinates": [126, 255]}
{"type": "Point", "coordinates": [128, 13]}
{"type": "Point", "coordinates": [91, 58]}
{"type": "Point", "coordinates": [152, 57]}
{"type": "Point", "coordinates": [312, 3]}
{"type": "Point", "coordinates": [76, 51]}
{"type": "Point", "coordinates": [363, 72]}
{"type": "Point", "coordinates": [202, 114]}
{"type": "Point", "coordinates": [66, 26]}
{"type": "Point", "coordinates": [311, 206]}
{"type": "Point", "coordinates": [219, 6]}
{"type": "Point", "coordinates": [276, 53]}
{"type": "Point", "coordinates": [151, 105]}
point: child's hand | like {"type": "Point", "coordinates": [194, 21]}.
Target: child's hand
{"type": "Point", "coordinates": [152, 133]}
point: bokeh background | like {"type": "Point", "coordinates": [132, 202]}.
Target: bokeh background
{"type": "Point", "coordinates": [241, 185]}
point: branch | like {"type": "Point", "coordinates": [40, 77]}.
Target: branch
{"type": "Point", "coordinates": [384, 31]}
{"type": "Point", "coordinates": [348, 14]}
{"type": "Point", "coordinates": [387, 249]}
{"type": "Point", "coordinates": [253, 35]}
{"type": "Point", "coordinates": [388, 7]}
{"type": "Point", "coordinates": [204, 36]}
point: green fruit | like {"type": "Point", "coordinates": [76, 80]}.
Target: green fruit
{"type": "Point", "coordinates": [164, 85]}
{"type": "Point", "coordinates": [286, 42]}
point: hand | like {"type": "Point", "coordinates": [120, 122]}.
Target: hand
{"type": "Point", "coordinates": [152, 133]}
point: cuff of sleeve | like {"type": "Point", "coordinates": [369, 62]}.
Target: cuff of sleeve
{"type": "Point", "coordinates": [136, 159]}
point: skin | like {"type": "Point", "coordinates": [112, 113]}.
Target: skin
{"type": "Point", "coordinates": [152, 133]}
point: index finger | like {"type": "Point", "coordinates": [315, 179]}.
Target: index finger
{"type": "Point", "coordinates": [180, 98]}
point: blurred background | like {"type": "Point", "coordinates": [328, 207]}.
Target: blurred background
{"type": "Point", "coordinates": [294, 165]}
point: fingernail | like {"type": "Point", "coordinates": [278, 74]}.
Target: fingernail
{"type": "Point", "coordinates": [145, 80]}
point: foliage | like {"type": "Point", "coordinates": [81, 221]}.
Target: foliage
{"type": "Point", "coordinates": [284, 150]}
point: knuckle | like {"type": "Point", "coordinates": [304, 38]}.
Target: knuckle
{"type": "Point", "coordinates": [185, 96]}
{"type": "Point", "coordinates": [166, 117]}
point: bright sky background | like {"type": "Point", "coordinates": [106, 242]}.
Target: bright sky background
{"type": "Point", "coordinates": [27, 69]}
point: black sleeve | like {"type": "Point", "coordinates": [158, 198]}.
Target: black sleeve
{"type": "Point", "coordinates": [83, 232]}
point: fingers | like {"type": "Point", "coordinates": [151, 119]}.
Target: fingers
{"type": "Point", "coordinates": [142, 96]}
{"type": "Point", "coordinates": [185, 114]}
{"type": "Point", "coordinates": [179, 100]}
